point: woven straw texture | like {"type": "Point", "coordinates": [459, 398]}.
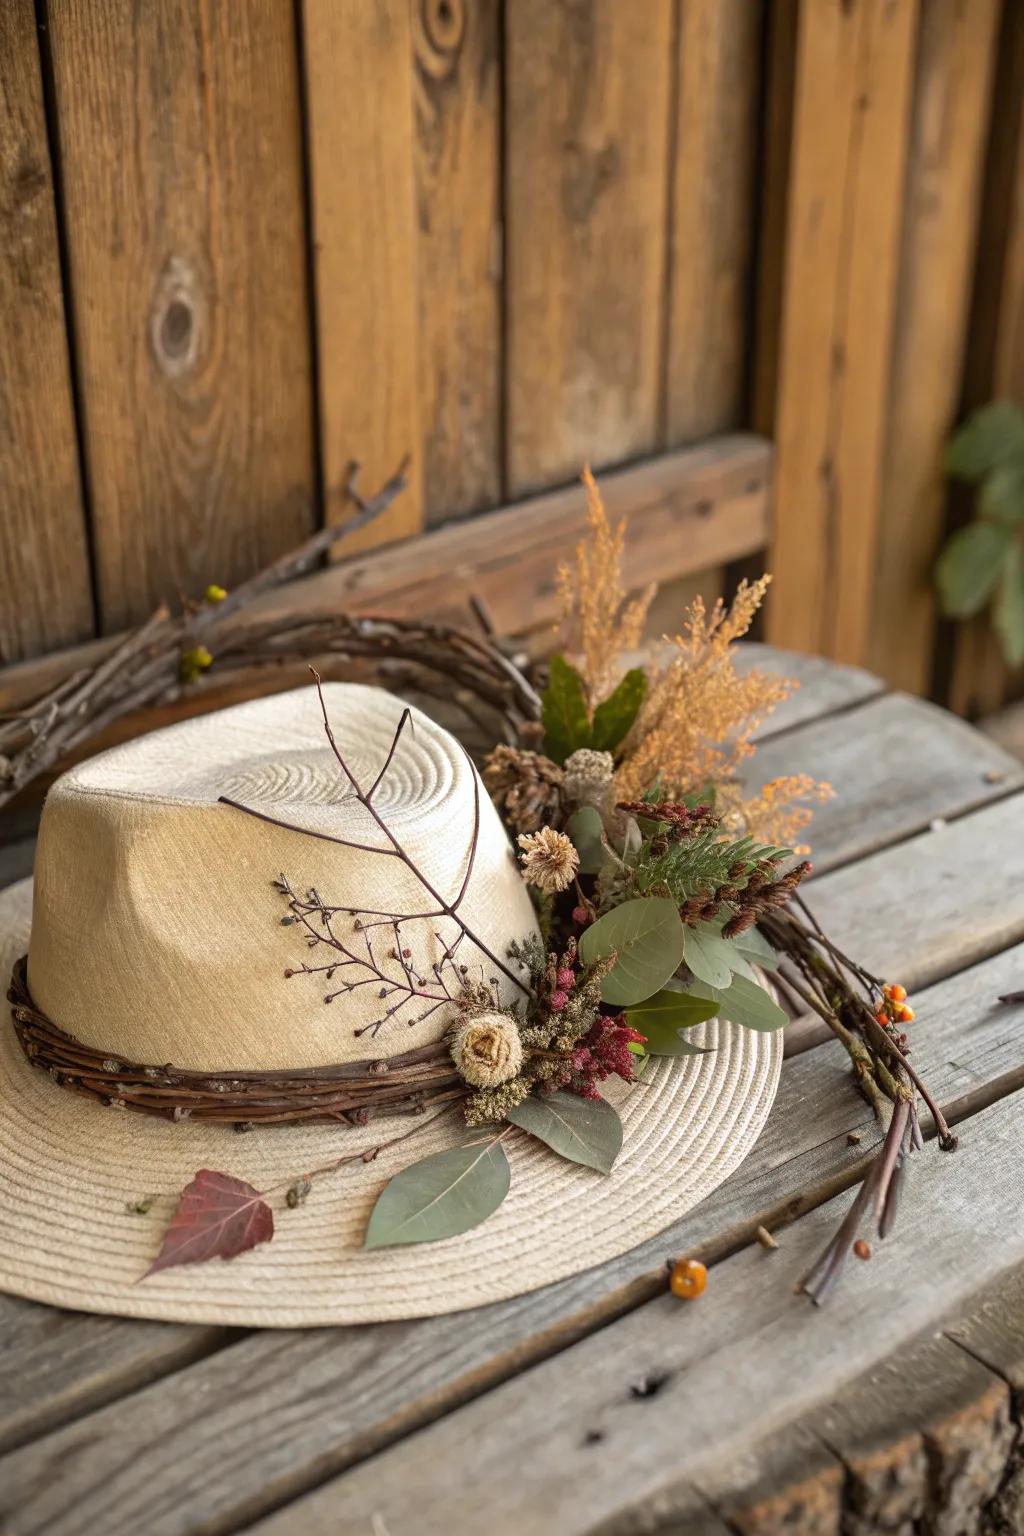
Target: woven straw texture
{"type": "Point", "coordinates": [69, 1166]}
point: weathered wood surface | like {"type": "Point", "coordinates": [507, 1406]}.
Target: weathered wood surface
{"type": "Point", "coordinates": [759, 1346]}
{"type": "Point", "coordinates": [302, 1407]}
{"type": "Point", "coordinates": [182, 209]}
{"type": "Point", "coordinates": [42, 530]}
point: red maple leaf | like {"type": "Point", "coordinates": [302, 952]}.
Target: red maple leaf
{"type": "Point", "coordinates": [218, 1217]}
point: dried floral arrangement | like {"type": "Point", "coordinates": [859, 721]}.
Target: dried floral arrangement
{"type": "Point", "coordinates": [663, 893]}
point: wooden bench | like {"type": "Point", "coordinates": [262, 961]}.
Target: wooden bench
{"type": "Point", "coordinates": [602, 1404]}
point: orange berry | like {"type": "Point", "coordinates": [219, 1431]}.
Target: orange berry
{"type": "Point", "coordinates": [862, 1249]}
{"type": "Point", "coordinates": [887, 989]}
{"type": "Point", "coordinates": [905, 1014]}
{"type": "Point", "coordinates": [688, 1278]}
{"type": "Point", "coordinates": [898, 993]}
{"type": "Point", "coordinates": [881, 1016]}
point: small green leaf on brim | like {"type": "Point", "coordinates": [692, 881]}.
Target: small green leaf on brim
{"type": "Point", "coordinates": [709, 956]}
{"type": "Point", "coordinates": [613, 719]}
{"type": "Point", "coordinates": [661, 1018]}
{"type": "Point", "coordinates": [746, 1003]}
{"type": "Point", "coordinates": [646, 936]}
{"type": "Point", "coordinates": [585, 1131]}
{"type": "Point", "coordinates": [564, 711]}
{"type": "Point", "coordinates": [440, 1196]}
{"type": "Point", "coordinates": [991, 436]}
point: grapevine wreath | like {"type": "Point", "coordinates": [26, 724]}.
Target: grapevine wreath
{"type": "Point", "coordinates": [644, 896]}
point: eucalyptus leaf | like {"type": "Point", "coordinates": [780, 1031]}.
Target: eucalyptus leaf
{"type": "Point", "coordinates": [613, 719]}
{"type": "Point", "coordinates": [646, 936]}
{"type": "Point", "coordinates": [745, 1002]}
{"type": "Point", "coordinates": [564, 711]}
{"type": "Point", "coordinates": [708, 955]}
{"type": "Point", "coordinates": [1002, 493]}
{"type": "Point", "coordinates": [587, 832]}
{"type": "Point", "coordinates": [440, 1196]}
{"type": "Point", "coordinates": [753, 946]}
{"type": "Point", "coordinates": [585, 1131]}
{"type": "Point", "coordinates": [970, 565]}
{"type": "Point", "coordinates": [662, 1016]}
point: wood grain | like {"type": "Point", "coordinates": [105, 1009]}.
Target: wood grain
{"type": "Point", "coordinates": [749, 1342]}
{"type": "Point", "coordinates": [688, 510]}
{"type": "Point", "coordinates": [788, 1484]}
{"type": "Point", "coordinates": [945, 167]}
{"type": "Point", "coordinates": [45, 596]}
{"type": "Point", "coordinates": [852, 81]}
{"type": "Point", "coordinates": [316, 1401]}
{"type": "Point", "coordinates": [711, 229]}
{"type": "Point", "coordinates": [895, 764]}
{"type": "Point", "coordinates": [359, 107]}
{"type": "Point", "coordinates": [586, 183]}
{"type": "Point", "coordinates": [457, 96]}
{"type": "Point", "coordinates": [180, 141]}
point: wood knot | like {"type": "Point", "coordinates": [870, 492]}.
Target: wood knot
{"type": "Point", "coordinates": [444, 23]}
{"type": "Point", "coordinates": [176, 319]}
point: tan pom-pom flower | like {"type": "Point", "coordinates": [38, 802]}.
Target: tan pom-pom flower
{"type": "Point", "coordinates": [487, 1049]}
{"type": "Point", "coordinates": [549, 859]}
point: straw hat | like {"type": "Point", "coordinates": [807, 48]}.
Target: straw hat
{"type": "Point", "coordinates": [157, 937]}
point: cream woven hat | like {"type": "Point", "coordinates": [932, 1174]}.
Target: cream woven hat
{"type": "Point", "coordinates": [156, 934]}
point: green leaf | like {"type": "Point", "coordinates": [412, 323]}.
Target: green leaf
{"type": "Point", "coordinates": [746, 1003]}
{"type": "Point", "coordinates": [587, 832]}
{"type": "Point", "coordinates": [646, 936]}
{"type": "Point", "coordinates": [613, 719]}
{"type": "Point", "coordinates": [564, 711]}
{"type": "Point", "coordinates": [969, 567]}
{"type": "Point", "coordinates": [440, 1196]}
{"type": "Point", "coordinates": [989, 437]}
{"type": "Point", "coordinates": [661, 1018]}
{"type": "Point", "coordinates": [585, 1131]}
{"type": "Point", "coordinates": [1002, 494]}
{"type": "Point", "coordinates": [708, 955]}
{"type": "Point", "coordinates": [1009, 607]}
{"type": "Point", "coordinates": [753, 946]}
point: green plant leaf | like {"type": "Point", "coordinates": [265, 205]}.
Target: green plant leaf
{"type": "Point", "coordinates": [585, 1131]}
{"type": "Point", "coordinates": [1009, 607]}
{"type": "Point", "coordinates": [586, 829]}
{"type": "Point", "coordinates": [613, 719]}
{"type": "Point", "coordinates": [646, 936]}
{"type": "Point", "coordinates": [440, 1196]}
{"type": "Point", "coordinates": [709, 956]}
{"type": "Point", "coordinates": [989, 437]}
{"type": "Point", "coordinates": [564, 711]}
{"type": "Point", "coordinates": [1002, 493]}
{"type": "Point", "coordinates": [746, 1003]}
{"type": "Point", "coordinates": [753, 946]}
{"type": "Point", "coordinates": [662, 1018]}
{"type": "Point", "coordinates": [969, 567]}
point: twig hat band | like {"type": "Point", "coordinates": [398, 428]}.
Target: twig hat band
{"type": "Point", "coordinates": [178, 944]}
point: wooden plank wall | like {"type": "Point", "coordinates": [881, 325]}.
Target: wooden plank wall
{"type": "Point", "coordinates": [242, 247]}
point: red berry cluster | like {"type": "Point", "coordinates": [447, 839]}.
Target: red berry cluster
{"type": "Point", "coordinates": [560, 978]}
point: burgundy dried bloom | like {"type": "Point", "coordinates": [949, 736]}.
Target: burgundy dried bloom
{"type": "Point", "coordinates": [603, 1051]}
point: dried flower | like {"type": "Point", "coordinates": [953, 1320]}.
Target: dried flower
{"type": "Point", "coordinates": [588, 777]}
{"type": "Point", "coordinates": [494, 1103]}
{"type": "Point", "coordinates": [487, 1049]}
{"type": "Point", "coordinates": [527, 785]}
{"type": "Point", "coordinates": [780, 811]}
{"type": "Point", "coordinates": [549, 859]}
{"type": "Point", "coordinates": [700, 714]}
{"type": "Point", "coordinates": [600, 624]}
{"type": "Point", "coordinates": [604, 1050]}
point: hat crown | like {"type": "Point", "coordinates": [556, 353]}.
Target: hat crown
{"type": "Point", "coordinates": [163, 929]}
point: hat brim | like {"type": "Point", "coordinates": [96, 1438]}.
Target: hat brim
{"type": "Point", "coordinates": [70, 1168]}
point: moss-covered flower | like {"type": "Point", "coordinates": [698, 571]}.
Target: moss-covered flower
{"type": "Point", "coordinates": [549, 859]}
{"type": "Point", "coordinates": [487, 1049]}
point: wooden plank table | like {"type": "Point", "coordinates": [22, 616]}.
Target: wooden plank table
{"type": "Point", "coordinates": [601, 1404]}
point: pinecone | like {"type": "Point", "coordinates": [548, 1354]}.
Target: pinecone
{"type": "Point", "coordinates": [527, 786]}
